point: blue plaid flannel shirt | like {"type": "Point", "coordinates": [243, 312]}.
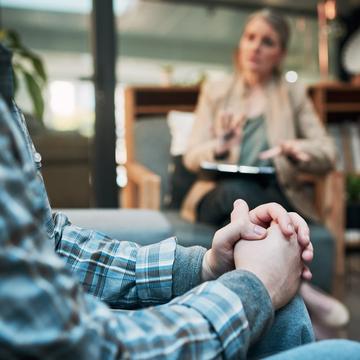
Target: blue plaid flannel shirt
{"type": "Point", "coordinates": [46, 312]}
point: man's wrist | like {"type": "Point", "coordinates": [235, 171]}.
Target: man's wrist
{"type": "Point", "coordinates": [261, 276]}
{"type": "Point", "coordinates": [187, 268]}
{"type": "Point", "coordinates": [206, 272]}
{"type": "Point", "coordinates": [254, 297]}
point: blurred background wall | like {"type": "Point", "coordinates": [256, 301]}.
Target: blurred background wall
{"type": "Point", "coordinates": [158, 42]}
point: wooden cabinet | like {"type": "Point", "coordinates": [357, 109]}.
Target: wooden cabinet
{"type": "Point", "coordinates": [336, 101]}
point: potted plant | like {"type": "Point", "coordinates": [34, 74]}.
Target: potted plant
{"type": "Point", "coordinates": [353, 201]}
{"type": "Point", "coordinates": [27, 66]}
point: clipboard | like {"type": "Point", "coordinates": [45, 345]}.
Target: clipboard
{"type": "Point", "coordinates": [211, 169]}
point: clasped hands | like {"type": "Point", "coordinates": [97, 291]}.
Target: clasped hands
{"type": "Point", "coordinates": [267, 241]}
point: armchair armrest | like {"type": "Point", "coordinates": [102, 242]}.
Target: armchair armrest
{"type": "Point", "coordinates": [330, 203]}
{"type": "Point", "coordinates": [329, 197]}
{"type": "Point", "coordinates": [142, 189]}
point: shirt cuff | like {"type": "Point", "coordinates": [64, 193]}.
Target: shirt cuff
{"type": "Point", "coordinates": [187, 268]}
{"type": "Point", "coordinates": [255, 299]}
{"type": "Point", "coordinates": [224, 311]}
{"type": "Point", "coordinates": [154, 267]}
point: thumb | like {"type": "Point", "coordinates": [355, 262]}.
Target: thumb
{"type": "Point", "coordinates": [245, 228]}
{"type": "Point", "coordinates": [226, 237]}
{"type": "Point", "coordinates": [240, 210]}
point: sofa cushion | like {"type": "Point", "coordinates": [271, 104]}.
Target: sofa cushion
{"type": "Point", "coordinates": [139, 225]}
{"type": "Point", "coordinates": [180, 124]}
{"type": "Point", "coordinates": [189, 234]}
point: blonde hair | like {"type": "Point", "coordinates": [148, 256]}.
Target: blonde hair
{"type": "Point", "coordinates": [279, 23]}
{"type": "Point", "coordinates": [276, 21]}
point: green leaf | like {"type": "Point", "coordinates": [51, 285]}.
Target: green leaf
{"type": "Point", "coordinates": [16, 45]}
{"type": "Point", "coordinates": [16, 81]}
{"type": "Point", "coordinates": [35, 93]}
{"type": "Point", "coordinates": [39, 68]}
{"type": "Point", "coordinates": [3, 35]}
{"type": "Point", "coordinates": [353, 187]}
{"type": "Point", "coordinates": [36, 63]}
{"type": "Point", "coordinates": [15, 38]}
{"type": "Point", "coordinates": [36, 78]}
{"type": "Point", "coordinates": [11, 39]}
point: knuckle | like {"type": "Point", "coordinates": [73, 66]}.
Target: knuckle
{"type": "Point", "coordinates": [296, 217]}
{"type": "Point", "coordinates": [274, 204]}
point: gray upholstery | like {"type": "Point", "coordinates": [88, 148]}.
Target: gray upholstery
{"type": "Point", "coordinates": [324, 250]}
{"type": "Point", "coordinates": [149, 226]}
{"type": "Point", "coordinates": [189, 234]}
{"type": "Point", "coordinates": [152, 149]}
{"type": "Point", "coordinates": [142, 226]}
{"type": "Point", "coordinates": [152, 143]}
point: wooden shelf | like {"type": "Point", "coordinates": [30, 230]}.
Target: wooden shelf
{"type": "Point", "coordinates": [342, 107]}
{"type": "Point", "coordinates": [337, 86]}
{"type": "Point", "coordinates": [158, 109]}
{"type": "Point", "coordinates": [333, 98]}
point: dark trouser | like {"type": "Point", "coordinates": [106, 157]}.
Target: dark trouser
{"type": "Point", "coordinates": [216, 206]}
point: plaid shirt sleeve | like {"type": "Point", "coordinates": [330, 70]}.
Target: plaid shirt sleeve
{"type": "Point", "coordinates": [121, 273]}
{"type": "Point", "coordinates": [44, 313]}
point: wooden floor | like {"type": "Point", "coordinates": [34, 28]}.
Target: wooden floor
{"type": "Point", "coordinates": [352, 294]}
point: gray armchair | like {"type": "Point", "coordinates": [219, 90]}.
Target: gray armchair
{"type": "Point", "coordinates": [148, 162]}
{"type": "Point", "coordinates": [148, 157]}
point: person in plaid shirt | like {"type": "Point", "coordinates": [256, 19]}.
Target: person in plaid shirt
{"type": "Point", "coordinates": [100, 298]}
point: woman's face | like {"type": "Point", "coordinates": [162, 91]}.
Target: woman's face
{"type": "Point", "coordinates": [260, 48]}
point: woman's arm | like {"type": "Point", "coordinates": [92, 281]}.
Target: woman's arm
{"type": "Point", "coordinates": [312, 137]}
{"type": "Point", "coordinates": [202, 142]}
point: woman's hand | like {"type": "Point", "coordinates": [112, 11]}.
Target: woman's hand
{"type": "Point", "coordinates": [228, 130]}
{"type": "Point", "coordinates": [293, 149]}
{"type": "Point", "coordinates": [289, 148]}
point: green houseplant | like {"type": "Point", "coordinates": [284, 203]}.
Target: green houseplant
{"type": "Point", "coordinates": [27, 66]}
{"type": "Point", "coordinates": [353, 200]}
{"type": "Point", "coordinates": [353, 188]}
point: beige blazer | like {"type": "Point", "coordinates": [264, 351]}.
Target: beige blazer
{"type": "Point", "coordinates": [289, 114]}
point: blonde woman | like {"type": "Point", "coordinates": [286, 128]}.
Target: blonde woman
{"type": "Point", "coordinates": [255, 118]}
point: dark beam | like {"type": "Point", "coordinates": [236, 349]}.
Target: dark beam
{"type": "Point", "coordinates": [104, 54]}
